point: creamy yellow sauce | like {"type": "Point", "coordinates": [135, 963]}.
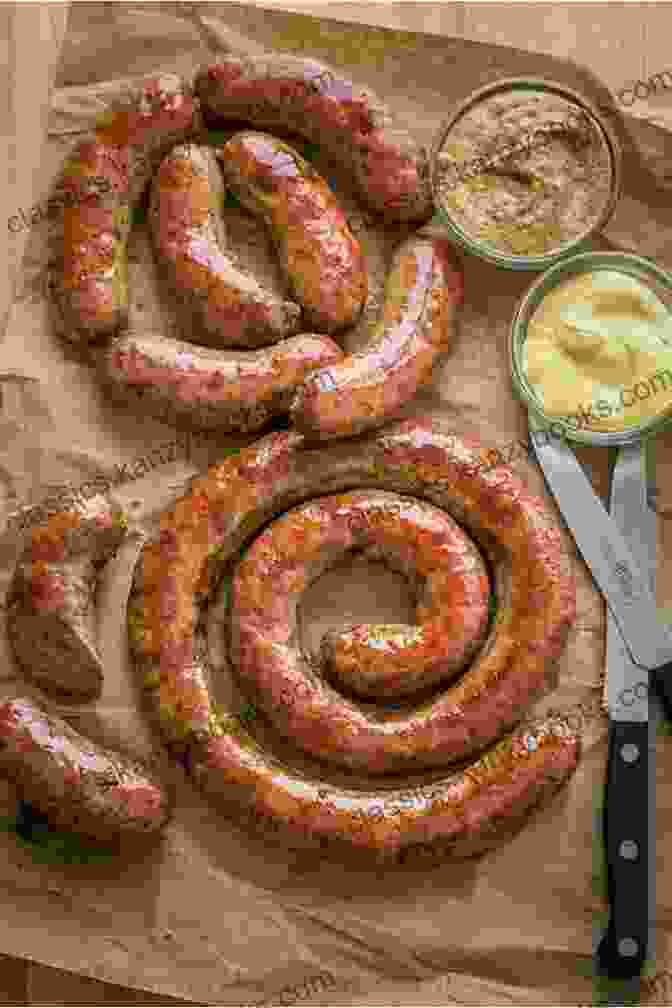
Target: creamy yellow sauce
{"type": "Point", "coordinates": [599, 352]}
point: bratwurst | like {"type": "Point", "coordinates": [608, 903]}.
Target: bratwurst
{"type": "Point", "coordinates": [318, 254]}
{"type": "Point", "coordinates": [100, 184]}
{"type": "Point", "coordinates": [229, 307]}
{"type": "Point", "coordinates": [51, 614]}
{"type": "Point", "coordinates": [423, 293]}
{"type": "Point", "coordinates": [177, 573]}
{"type": "Point", "coordinates": [76, 783]}
{"type": "Point", "coordinates": [286, 93]}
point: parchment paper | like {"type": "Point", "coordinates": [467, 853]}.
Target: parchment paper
{"type": "Point", "coordinates": [216, 915]}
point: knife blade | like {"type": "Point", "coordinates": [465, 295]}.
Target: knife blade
{"type": "Point", "coordinates": [617, 573]}
{"type": "Point", "coordinates": [629, 786]}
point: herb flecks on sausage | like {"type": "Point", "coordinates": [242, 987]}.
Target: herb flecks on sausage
{"type": "Point", "coordinates": [51, 618]}
{"type": "Point", "coordinates": [320, 257]}
{"type": "Point", "coordinates": [101, 181]}
{"type": "Point", "coordinates": [76, 783]}
{"type": "Point", "coordinates": [229, 307]}
{"type": "Point", "coordinates": [423, 293]}
{"type": "Point", "coordinates": [285, 92]}
{"type": "Point", "coordinates": [459, 814]}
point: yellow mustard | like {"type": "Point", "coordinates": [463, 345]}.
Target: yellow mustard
{"type": "Point", "coordinates": [598, 352]}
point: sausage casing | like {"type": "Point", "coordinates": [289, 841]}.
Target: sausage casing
{"type": "Point", "coordinates": [100, 183]}
{"type": "Point", "coordinates": [76, 783]}
{"type": "Point", "coordinates": [204, 389]}
{"type": "Point", "coordinates": [423, 292]}
{"type": "Point", "coordinates": [284, 92]}
{"type": "Point", "coordinates": [228, 305]}
{"type": "Point", "coordinates": [51, 615]}
{"type": "Point", "coordinates": [176, 575]}
{"type": "Point", "coordinates": [320, 257]}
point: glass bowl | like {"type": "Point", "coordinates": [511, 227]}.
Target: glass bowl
{"type": "Point", "coordinates": [584, 110]}
{"type": "Point", "coordinates": [641, 269]}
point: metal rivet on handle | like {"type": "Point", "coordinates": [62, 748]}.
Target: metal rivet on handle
{"type": "Point", "coordinates": [628, 947]}
{"type": "Point", "coordinates": [629, 850]}
{"type": "Point", "coordinates": [630, 752]}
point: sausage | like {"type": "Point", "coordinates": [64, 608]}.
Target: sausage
{"type": "Point", "coordinates": [51, 616]}
{"type": "Point", "coordinates": [227, 305]}
{"type": "Point", "coordinates": [385, 662]}
{"type": "Point", "coordinates": [177, 573]}
{"type": "Point", "coordinates": [286, 93]}
{"type": "Point", "coordinates": [320, 257]}
{"type": "Point", "coordinates": [100, 183]}
{"type": "Point", "coordinates": [229, 390]}
{"type": "Point", "coordinates": [76, 783]}
{"type": "Point", "coordinates": [423, 292]}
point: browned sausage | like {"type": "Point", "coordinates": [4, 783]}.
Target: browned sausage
{"type": "Point", "coordinates": [280, 91]}
{"type": "Point", "coordinates": [229, 390]}
{"type": "Point", "coordinates": [385, 662]}
{"type": "Point", "coordinates": [176, 574]}
{"type": "Point", "coordinates": [74, 782]}
{"type": "Point", "coordinates": [100, 183]}
{"type": "Point", "coordinates": [320, 257]}
{"type": "Point", "coordinates": [229, 307]}
{"type": "Point", "coordinates": [423, 292]}
{"type": "Point", "coordinates": [51, 616]}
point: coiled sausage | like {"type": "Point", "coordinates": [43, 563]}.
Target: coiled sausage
{"type": "Point", "coordinates": [176, 574]}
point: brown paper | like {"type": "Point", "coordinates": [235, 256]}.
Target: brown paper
{"type": "Point", "coordinates": [216, 915]}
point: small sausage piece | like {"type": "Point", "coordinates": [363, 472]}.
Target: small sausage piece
{"type": "Point", "coordinates": [74, 782]}
{"type": "Point", "coordinates": [100, 183]}
{"type": "Point", "coordinates": [423, 292]}
{"type": "Point", "coordinates": [225, 389]}
{"type": "Point", "coordinates": [51, 615]}
{"type": "Point", "coordinates": [320, 257]}
{"type": "Point", "coordinates": [229, 307]}
{"type": "Point", "coordinates": [280, 91]}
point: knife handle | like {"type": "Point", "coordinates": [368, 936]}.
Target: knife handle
{"type": "Point", "coordinates": [622, 951]}
{"type": "Point", "coordinates": [661, 680]}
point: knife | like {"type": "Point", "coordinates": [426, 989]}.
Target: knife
{"type": "Point", "coordinates": [605, 550]}
{"type": "Point", "coordinates": [629, 786]}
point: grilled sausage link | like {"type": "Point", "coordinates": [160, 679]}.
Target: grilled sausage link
{"type": "Point", "coordinates": [204, 389]}
{"type": "Point", "coordinates": [229, 307]}
{"type": "Point", "coordinates": [424, 289]}
{"type": "Point", "coordinates": [100, 183]}
{"type": "Point", "coordinates": [320, 257]}
{"type": "Point", "coordinates": [74, 782]}
{"type": "Point", "coordinates": [176, 575]}
{"type": "Point", "coordinates": [51, 616]}
{"type": "Point", "coordinates": [280, 91]}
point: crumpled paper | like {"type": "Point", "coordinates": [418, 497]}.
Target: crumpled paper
{"type": "Point", "coordinates": [215, 915]}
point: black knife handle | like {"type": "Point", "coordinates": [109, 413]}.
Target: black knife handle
{"type": "Point", "coordinates": [622, 951]}
{"type": "Point", "coordinates": [661, 680]}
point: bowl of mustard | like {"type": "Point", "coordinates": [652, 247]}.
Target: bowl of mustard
{"type": "Point", "coordinates": [524, 172]}
{"type": "Point", "coordinates": [591, 348]}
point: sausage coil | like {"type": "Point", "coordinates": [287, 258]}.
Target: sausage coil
{"type": "Point", "coordinates": [176, 575]}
